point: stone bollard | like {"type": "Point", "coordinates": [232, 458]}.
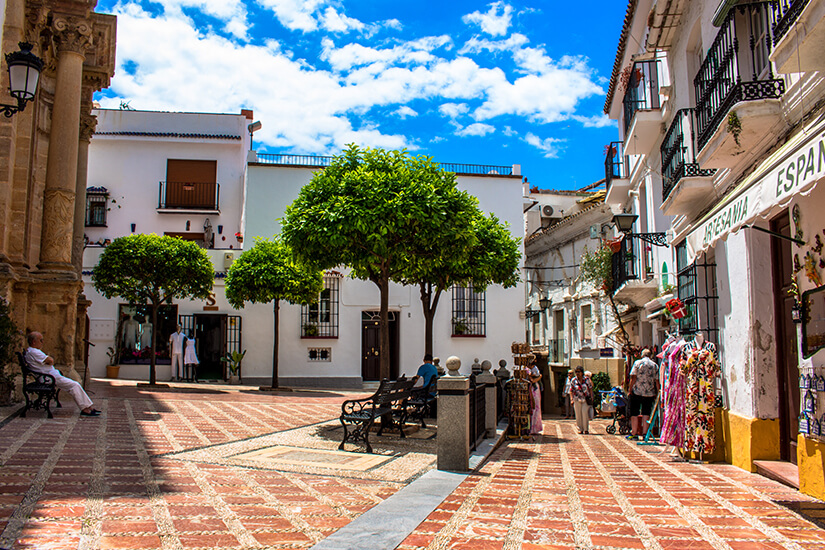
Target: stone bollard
{"type": "Point", "coordinates": [453, 420]}
{"type": "Point", "coordinates": [490, 397]}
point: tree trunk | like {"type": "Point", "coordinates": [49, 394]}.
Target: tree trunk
{"type": "Point", "coordinates": [276, 307]}
{"type": "Point", "coordinates": [429, 303]}
{"type": "Point", "coordinates": [152, 375]}
{"type": "Point", "coordinates": [618, 318]}
{"type": "Point", "coordinates": [384, 287]}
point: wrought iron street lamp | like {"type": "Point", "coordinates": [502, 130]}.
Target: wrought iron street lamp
{"type": "Point", "coordinates": [544, 303]}
{"type": "Point", "coordinates": [624, 222]}
{"type": "Point", "coordinates": [24, 75]}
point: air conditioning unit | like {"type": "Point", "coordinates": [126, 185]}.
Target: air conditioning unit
{"type": "Point", "coordinates": [548, 211]}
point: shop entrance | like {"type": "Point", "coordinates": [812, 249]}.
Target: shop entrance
{"type": "Point", "coordinates": [371, 346]}
{"type": "Point", "coordinates": [787, 360]}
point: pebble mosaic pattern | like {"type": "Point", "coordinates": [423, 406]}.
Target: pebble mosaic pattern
{"type": "Point", "coordinates": [156, 471]}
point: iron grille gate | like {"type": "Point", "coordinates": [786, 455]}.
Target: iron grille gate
{"type": "Point", "coordinates": [478, 413]}
{"type": "Point", "coordinates": [232, 338]}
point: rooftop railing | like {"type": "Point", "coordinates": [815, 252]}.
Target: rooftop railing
{"type": "Point", "coordinates": [324, 161]}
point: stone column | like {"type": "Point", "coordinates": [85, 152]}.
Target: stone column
{"type": "Point", "coordinates": [87, 128]}
{"type": "Point", "coordinates": [453, 420]}
{"type": "Point", "coordinates": [72, 36]}
{"type": "Point", "coordinates": [490, 397]}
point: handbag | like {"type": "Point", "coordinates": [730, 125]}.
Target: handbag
{"type": "Point", "coordinates": [588, 398]}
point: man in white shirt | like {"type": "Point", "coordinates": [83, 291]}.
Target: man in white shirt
{"type": "Point", "coordinates": [176, 352]}
{"type": "Point", "coordinates": [44, 364]}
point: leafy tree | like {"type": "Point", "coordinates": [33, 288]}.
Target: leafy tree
{"type": "Point", "coordinates": [370, 210]}
{"type": "Point", "coordinates": [493, 258]}
{"type": "Point", "coordinates": [596, 267]}
{"type": "Point", "coordinates": [152, 269]}
{"type": "Point", "coordinates": [268, 272]}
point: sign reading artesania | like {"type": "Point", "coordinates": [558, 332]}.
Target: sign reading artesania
{"type": "Point", "coordinates": [798, 170]}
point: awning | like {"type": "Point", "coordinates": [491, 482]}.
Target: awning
{"type": "Point", "coordinates": [791, 170]}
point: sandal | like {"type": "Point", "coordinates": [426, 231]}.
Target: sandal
{"type": "Point", "coordinates": [93, 412]}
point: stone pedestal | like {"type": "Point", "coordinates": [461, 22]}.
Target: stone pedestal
{"type": "Point", "coordinates": [454, 423]}
{"type": "Point", "coordinates": [490, 401]}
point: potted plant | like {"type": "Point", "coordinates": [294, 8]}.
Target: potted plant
{"type": "Point", "coordinates": [9, 342]}
{"type": "Point", "coordinates": [233, 363]}
{"type": "Point", "coordinates": [310, 329]}
{"type": "Point", "coordinates": [460, 326]}
{"type": "Point", "coordinates": [112, 369]}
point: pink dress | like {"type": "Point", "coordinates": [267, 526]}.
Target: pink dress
{"type": "Point", "coordinates": [673, 430]}
{"type": "Point", "coordinates": [535, 423]}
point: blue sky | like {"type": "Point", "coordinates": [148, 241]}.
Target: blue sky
{"type": "Point", "coordinates": [501, 83]}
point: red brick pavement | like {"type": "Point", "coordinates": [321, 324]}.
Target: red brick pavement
{"type": "Point", "coordinates": [100, 483]}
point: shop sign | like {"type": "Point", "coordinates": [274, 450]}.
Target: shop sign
{"type": "Point", "coordinates": [606, 352]}
{"type": "Point", "coordinates": [796, 172]}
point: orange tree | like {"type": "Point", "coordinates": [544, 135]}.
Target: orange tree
{"type": "Point", "coordinates": [153, 270]}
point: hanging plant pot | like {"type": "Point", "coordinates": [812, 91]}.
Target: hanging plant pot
{"type": "Point", "coordinates": [615, 245]}
{"type": "Point", "coordinates": [676, 308]}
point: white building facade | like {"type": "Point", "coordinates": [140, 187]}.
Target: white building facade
{"type": "Point", "coordinates": [723, 105]}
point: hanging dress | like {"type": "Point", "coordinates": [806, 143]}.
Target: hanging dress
{"type": "Point", "coordinates": [701, 368]}
{"type": "Point", "coordinates": [673, 426]}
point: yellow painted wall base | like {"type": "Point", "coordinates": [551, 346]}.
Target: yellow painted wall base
{"type": "Point", "coordinates": [749, 439]}
{"type": "Point", "coordinates": [810, 455]}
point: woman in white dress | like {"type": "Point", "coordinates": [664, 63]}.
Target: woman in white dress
{"type": "Point", "coordinates": [190, 359]}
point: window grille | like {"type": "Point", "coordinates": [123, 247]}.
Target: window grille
{"type": "Point", "coordinates": [96, 204]}
{"type": "Point", "coordinates": [696, 286]}
{"type": "Point", "coordinates": [320, 320]}
{"type": "Point", "coordinates": [469, 312]}
{"type": "Point", "coordinates": [320, 355]}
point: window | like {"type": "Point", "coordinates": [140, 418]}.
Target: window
{"type": "Point", "coordinates": [190, 184]}
{"type": "Point", "coordinates": [320, 320]}
{"type": "Point", "coordinates": [696, 286]}
{"type": "Point", "coordinates": [587, 325]}
{"type": "Point", "coordinates": [469, 312]}
{"type": "Point", "coordinates": [97, 199]}
{"type": "Point", "coordinates": [133, 338]}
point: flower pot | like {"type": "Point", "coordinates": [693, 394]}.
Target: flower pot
{"type": "Point", "coordinates": [112, 371]}
{"type": "Point", "coordinates": [615, 246]}
{"type": "Point", "coordinates": [234, 379]}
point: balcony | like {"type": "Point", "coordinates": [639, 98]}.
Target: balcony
{"type": "Point", "coordinates": [642, 108]}
{"type": "Point", "coordinates": [633, 278]}
{"type": "Point", "coordinates": [189, 198]}
{"type": "Point", "coordinates": [616, 173]}
{"type": "Point", "coordinates": [733, 114]}
{"type": "Point", "coordinates": [799, 36]}
{"type": "Point", "coordinates": [684, 184]}
{"type": "Point", "coordinates": [556, 350]}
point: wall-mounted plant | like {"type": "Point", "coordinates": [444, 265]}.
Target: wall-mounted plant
{"type": "Point", "coordinates": [310, 329]}
{"type": "Point", "coordinates": [734, 127]}
{"type": "Point", "coordinates": [460, 326]}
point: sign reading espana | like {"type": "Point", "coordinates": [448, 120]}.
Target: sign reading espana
{"type": "Point", "coordinates": [797, 171]}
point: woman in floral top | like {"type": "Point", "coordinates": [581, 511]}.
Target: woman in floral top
{"type": "Point", "coordinates": [581, 391]}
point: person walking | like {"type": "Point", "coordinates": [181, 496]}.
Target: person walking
{"type": "Point", "coordinates": [534, 375]}
{"type": "Point", "coordinates": [581, 393]}
{"type": "Point", "coordinates": [644, 385]}
{"type": "Point", "coordinates": [568, 403]}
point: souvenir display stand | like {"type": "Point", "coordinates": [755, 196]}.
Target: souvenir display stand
{"type": "Point", "coordinates": [518, 392]}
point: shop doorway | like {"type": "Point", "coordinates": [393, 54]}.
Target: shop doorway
{"type": "Point", "coordinates": [787, 349]}
{"type": "Point", "coordinates": [371, 346]}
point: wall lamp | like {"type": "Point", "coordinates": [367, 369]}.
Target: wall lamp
{"type": "Point", "coordinates": [254, 127]}
{"type": "Point", "coordinates": [624, 223]}
{"type": "Point", "coordinates": [544, 303]}
{"type": "Point", "coordinates": [24, 74]}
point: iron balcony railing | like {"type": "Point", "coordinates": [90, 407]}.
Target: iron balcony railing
{"type": "Point", "coordinates": [615, 163]}
{"type": "Point", "coordinates": [188, 196]}
{"type": "Point", "coordinates": [679, 152]}
{"type": "Point", "coordinates": [556, 350]}
{"type": "Point", "coordinates": [739, 51]}
{"type": "Point", "coordinates": [786, 12]}
{"type": "Point", "coordinates": [642, 92]}
{"type": "Point", "coordinates": [625, 264]}
{"type": "Point", "coordinates": [324, 161]}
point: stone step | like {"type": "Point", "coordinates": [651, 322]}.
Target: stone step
{"type": "Point", "coordinates": [777, 470]}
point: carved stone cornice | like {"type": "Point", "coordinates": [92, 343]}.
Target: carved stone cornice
{"type": "Point", "coordinates": [72, 34]}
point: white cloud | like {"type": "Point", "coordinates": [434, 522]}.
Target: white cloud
{"type": "Point", "coordinates": [598, 121]}
{"type": "Point", "coordinates": [476, 129]}
{"type": "Point", "coordinates": [548, 146]}
{"type": "Point", "coordinates": [478, 45]}
{"type": "Point", "coordinates": [492, 22]}
{"type": "Point", "coordinates": [296, 15]}
{"type": "Point", "coordinates": [336, 22]}
{"type": "Point", "coordinates": [231, 12]}
{"type": "Point", "coordinates": [405, 112]}
{"type": "Point", "coordinates": [453, 110]}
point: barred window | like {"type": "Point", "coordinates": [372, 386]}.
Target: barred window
{"type": "Point", "coordinates": [696, 287]}
{"type": "Point", "coordinates": [320, 320]}
{"type": "Point", "coordinates": [96, 203]}
{"type": "Point", "coordinates": [469, 312]}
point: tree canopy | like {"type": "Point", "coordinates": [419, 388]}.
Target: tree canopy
{"type": "Point", "coordinates": [372, 210]}
{"type": "Point", "coordinates": [268, 272]}
{"type": "Point", "coordinates": [152, 269]}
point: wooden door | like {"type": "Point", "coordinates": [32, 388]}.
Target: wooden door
{"type": "Point", "coordinates": [371, 346]}
{"type": "Point", "coordinates": [787, 347]}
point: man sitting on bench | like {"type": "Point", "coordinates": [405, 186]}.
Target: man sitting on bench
{"type": "Point", "coordinates": [44, 364]}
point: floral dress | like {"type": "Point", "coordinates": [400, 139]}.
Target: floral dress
{"type": "Point", "coordinates": [700, 369]}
